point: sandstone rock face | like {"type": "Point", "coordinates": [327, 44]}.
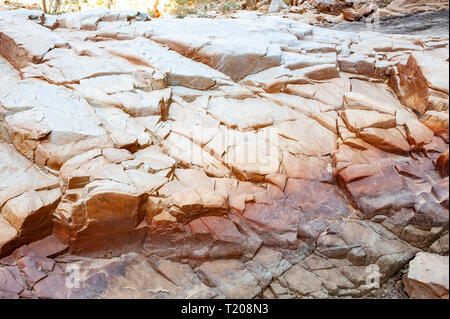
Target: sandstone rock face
{"type": "Point", "coordinates": [353, 10]}
{"type": "Point", "coordinates": [413, 6]}
{"type": "Point", "coordinates": [350, 10]}
{"type": "Point", "coordinates": [169, 159]}
{"type": "Point", "coordinates": [422, 83]}
{"type": "Point", "coordinates": [28, 197]}
{"type": "Point", "coordinates": [427, 277]}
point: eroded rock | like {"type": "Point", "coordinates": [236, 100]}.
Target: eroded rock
{"type": "Point", "coordinates": [168, 159]}
{"type": "Point", "coordinates": [427, 277]}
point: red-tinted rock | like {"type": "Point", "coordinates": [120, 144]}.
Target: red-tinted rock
{"type": "Point", "coordinates": [380, 192]}
{"type": "Point", "coordinates": [442, 164]}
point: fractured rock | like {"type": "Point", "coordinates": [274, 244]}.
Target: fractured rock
{"type": "Point", "coordinates": [427, 277]}
{"type": "Point", "coordinates": [253, 157]}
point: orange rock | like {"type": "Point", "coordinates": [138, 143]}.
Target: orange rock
{"type": "Point", "coordinates": [442, 164]}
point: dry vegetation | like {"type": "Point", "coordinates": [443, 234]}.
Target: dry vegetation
{"type": "Point", "coordinates": [179, 8]}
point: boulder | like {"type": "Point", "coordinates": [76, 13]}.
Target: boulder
{"type": "Point", "coordinates": [427, 277]}
{"type": "Point", "coordinates": [428, 88]}
{"type": "Point", "coordinates": [437, 122]}
{"type": "Point", "coordinates": [23, 42]}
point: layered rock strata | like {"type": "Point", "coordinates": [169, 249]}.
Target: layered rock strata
{"type": "Point", "coordinates": [226, 158]}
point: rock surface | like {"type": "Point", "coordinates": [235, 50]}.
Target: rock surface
{"type": "Point", "coordinates": [427, 277]}
{"type": "Point", "coordinates": [167, 159]}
